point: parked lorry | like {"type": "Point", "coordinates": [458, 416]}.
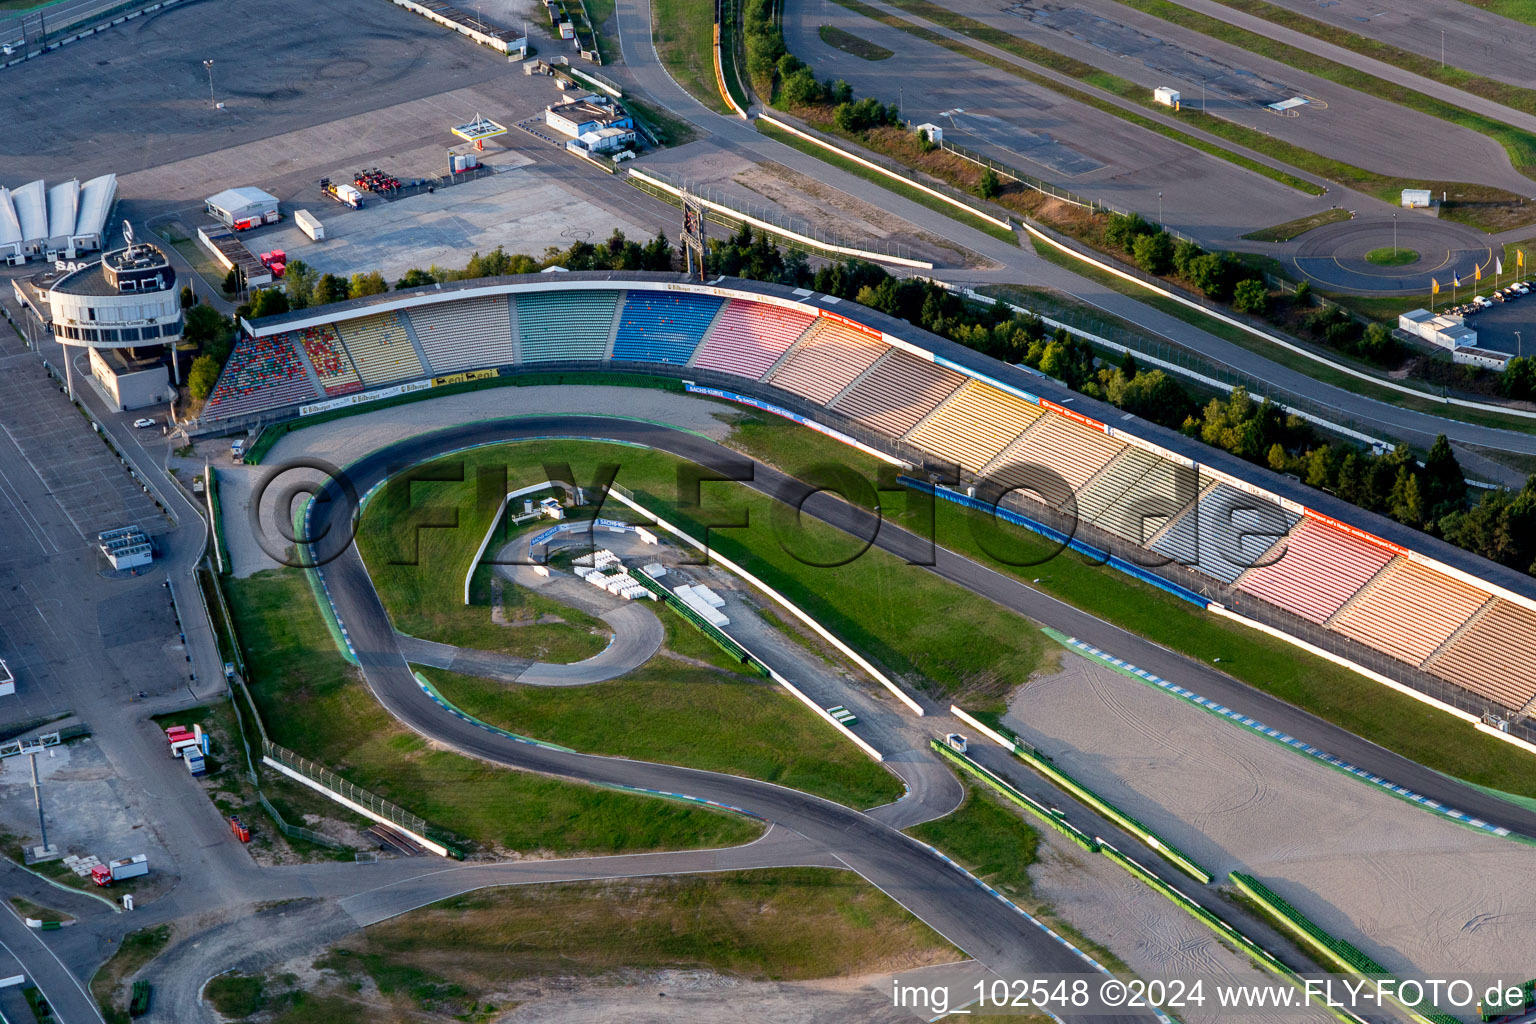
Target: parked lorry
{"type": "Point", "coordinates": [343, 192]}
{"type": "Point", "coordinates": [118, 870]}
{"type": "Point", "coordinates": [309, 224]}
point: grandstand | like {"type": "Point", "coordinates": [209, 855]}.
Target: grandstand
{"type": "Point", "coordinates": [380, 348]}
{"type": "Point", "coordinates": [971, 426]}
{"type": "Point", "coordinates": [465, 335]}
{"type": "Point", "coordinates": [1147, 505]}
{"type": "Point", "coordinates": [1480, 658]}
{"type": "Point", "coordinates": [1322, 568]}
{"type": "Point", "coordinates": [1408, 610]}
{"type": "Point", "coordinates": [329, 359]}
{"type": "Point", "coordinates": [749, 337]}
{"type": "Point", "coordinates": [1136, 486]}
{"type": "Point", "coordinates": [826, 361]}
{"type": "Point", "coordinates": [1226, 532]}
{"type": "Point", "coordinates": [565, 325]}
{"type": "Point", "coordinates": [663, 327]}
{"type": "Point", "coordinates": [1074, 453]}
{"type": "Point", "coordinates": [896, 391]}
{"type": "Point", "coordinates": [262, 373]}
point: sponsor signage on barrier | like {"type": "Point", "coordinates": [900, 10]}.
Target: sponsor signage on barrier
{"type": "Point", "coordinates": [544, 537]}
{"type": "Point", "coordinates": [852, 324]}
{"type": "Point", "coordinates": [972, 374]}
{"type": "Point", "coordinates": [364, 398]}
{"type": "Point", "coordinates": [1148, 446]}
{"type": "Point", "coordinates": [1357, 533]}
{"type": "Point", "coordinates": [467, 375]}
{"type": "Point", "coordinates": [757, 403]}
{"type": "Point", "coordinates": [1075, 417]}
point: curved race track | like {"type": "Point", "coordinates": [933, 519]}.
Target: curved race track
{"type": "Point", "coordinates": [984, 927]}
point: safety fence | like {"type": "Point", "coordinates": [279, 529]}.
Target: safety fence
{"type": "Point", "coordinates": [1014, 796]}
{"type": "Point", "coordinates": [1335, 951]}
{"type": "Point", "coordinates": [335, 783]}
{"type": "Point", "coordinates": [36, 31]}
{"type": "Point", "coordinates": [297, 831]}
{"type": "Point", "coordinates": [1032, 757]}
{"type": "Point", "coordinates": [709, 629]}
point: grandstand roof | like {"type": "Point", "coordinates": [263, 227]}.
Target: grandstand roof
{"type": "Point", "coordinates": [1008, 377]}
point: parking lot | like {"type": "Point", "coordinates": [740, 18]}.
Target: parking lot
{"type": "Point", "coordinates": [1503, 325]}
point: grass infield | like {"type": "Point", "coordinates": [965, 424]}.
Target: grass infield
{"type": "Point", "coordinates": [1391, 257]}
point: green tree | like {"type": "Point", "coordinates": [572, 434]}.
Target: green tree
{"type": "Point", "coordinates": [371, 283]}
{"type": "Point", "coordinates": [209, 330]}
{"type": "Point", "coordinates": [415, 278]}
{"type": "Point", "coordinates": [1251, 296]}
{"type": "Point", "coordinates": [188, 297]}
{"type": "Point", "coordinates": [1277, 458]}
{"type": "Point", "coordinates": [1185, 253]}
{"type": "Point", "coordinates": [801, 89]}
{"type": "Point", "coordinates": [330, 288]}
{"type": "Point", "coordinates": [1444, 484]}
{"type": "Point", "coordinates": [299, 282]}
{"type": "Point", "coordinates": [989, 186]}
{"type": "Point", "coordinates": [232, 281]}
{"type": "Point", "coordinates": [202, 377]}
{"type": "Point", "coordinates": [269, 302]}
{"type": "Point", "coordinates": [1405, 502]}
{"type": "Point", "coordinates": [1153, 252]}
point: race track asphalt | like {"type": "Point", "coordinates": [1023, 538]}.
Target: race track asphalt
{"type": "Point", "coordinates": [983, 926]}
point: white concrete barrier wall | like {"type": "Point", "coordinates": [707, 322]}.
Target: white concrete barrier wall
{"type": "Point", "coordinates": [951, 200]}
{"type": "Point", "coordinates": [787, 604]}
{"type": "Point", "coordinates": [299, 777]}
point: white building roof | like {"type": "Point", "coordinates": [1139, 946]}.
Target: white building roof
{"type": "Point", "coordinates": [32, 211]}
{"type": "Point", "coordinates": [96, 198]}
{"type": "Point", "coordinates": [10, 227]}
{"type": "Point", "coordinates": [63, 207]}
{"type": "Point", "coordinates": [245, 195]}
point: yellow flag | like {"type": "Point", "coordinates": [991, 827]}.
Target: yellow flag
{"type": "Point", "coordinates": [1477, 273]}
{"type": "Point", "coordinates": [1434, 287]}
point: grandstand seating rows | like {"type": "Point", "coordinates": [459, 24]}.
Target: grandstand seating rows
{"type": "Point", "coordinates": [565, 325]}
{"type": "Point", "coordinates": [1408, 610]}
{"type": "Point", "coordinates": [381, 349]}
{"type": "Point", "coordinates": [1226, 532]}
{"type": "Point", "coordinates": [1393, 604]}
{"type": "Point", "coordinates": [1322, 568]}
{"type": "Point", "coordinates": [826, 361]}
{"type": "Point", "coordinates": [329, 358]}
{"type": "Point", "coordinates": [262, 373]}
{"type": "Point", "coordinates": [1147, 505]}
{"type": "Point", "coordinates": [465, 335]}
{"type": "Point", "coordinates": [1494, 654]}
{"type": "Point", "coordinates": [1073, 454]}
{"type": "Point", "coordinates": [972, 425]}
{"type": "Point", "coordinates": [896, 391]}
{"type": "Point", "coordinates": [663, 327]}
{"type": "Point", "coordinates": [749, 337]}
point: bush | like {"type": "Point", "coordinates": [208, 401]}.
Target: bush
{"type": "Point", "coordinates": [371, 283]}
{"type": "Point", "coordinates": [1153, 252]}
{"type": "Point", "coordinates": [1251, 296]}
{"type": "Point", "coordinates": [989, 186]}
{"type": "Point", "coordinates": [202, 377]}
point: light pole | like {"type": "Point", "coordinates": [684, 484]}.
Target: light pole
{"type": "Point", "coordinates": [1159, 209]}
{"type": "Point", "coordinates": [1442, 49]}
{"type": "Point", "coordinates": [1394, 234]}
{"type": "Point", "coordinates": [208, 64]}
{"type": "Point", "coordinates": [1519, 345]}
{"type": "Point", "coordinates": [1202, 95]}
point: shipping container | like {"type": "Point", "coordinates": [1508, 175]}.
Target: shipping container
{"type": "Point", "coordinates": [311, 226]}
{"type": "Point", "coordinates": [129, 867]}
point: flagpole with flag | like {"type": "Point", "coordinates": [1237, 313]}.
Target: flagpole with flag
{"type": "Point", "coordinates": [1455, 284]}
{"type": "Point", "coordinates": [1519, 260]}
{"type": "Point", "coordinates": [1434, 289]}
{"type": "Point", "coordinates": [1498, 270]}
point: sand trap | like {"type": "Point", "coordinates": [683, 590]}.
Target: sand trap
{"type": "Point", "coordinates": [1422, 895]}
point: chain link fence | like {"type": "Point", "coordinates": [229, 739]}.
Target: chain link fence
{"type": "Point", "coordinates": [297, 831]}
{"type": "Point", "coordinates": [340, 786]}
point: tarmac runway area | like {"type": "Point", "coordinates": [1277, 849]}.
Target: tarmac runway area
{"type": "Point", "coordinates": [278, 65]}
{"type": "Point", "coordinates": [1041, 133]}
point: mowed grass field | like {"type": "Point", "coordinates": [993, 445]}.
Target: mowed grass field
{"type": "Point", "coordinates": [682, 714]}
{"type": "Point", "coordinates": [315, 703]}
{"type": "Point", "coordinates": [1331, 692]}
{"type": "Point", "coordinates": [934, 635]}
{"type": "Point", "coordinates": [418, 565]}
{"type": "Point", "coordinates": [447, 959]}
